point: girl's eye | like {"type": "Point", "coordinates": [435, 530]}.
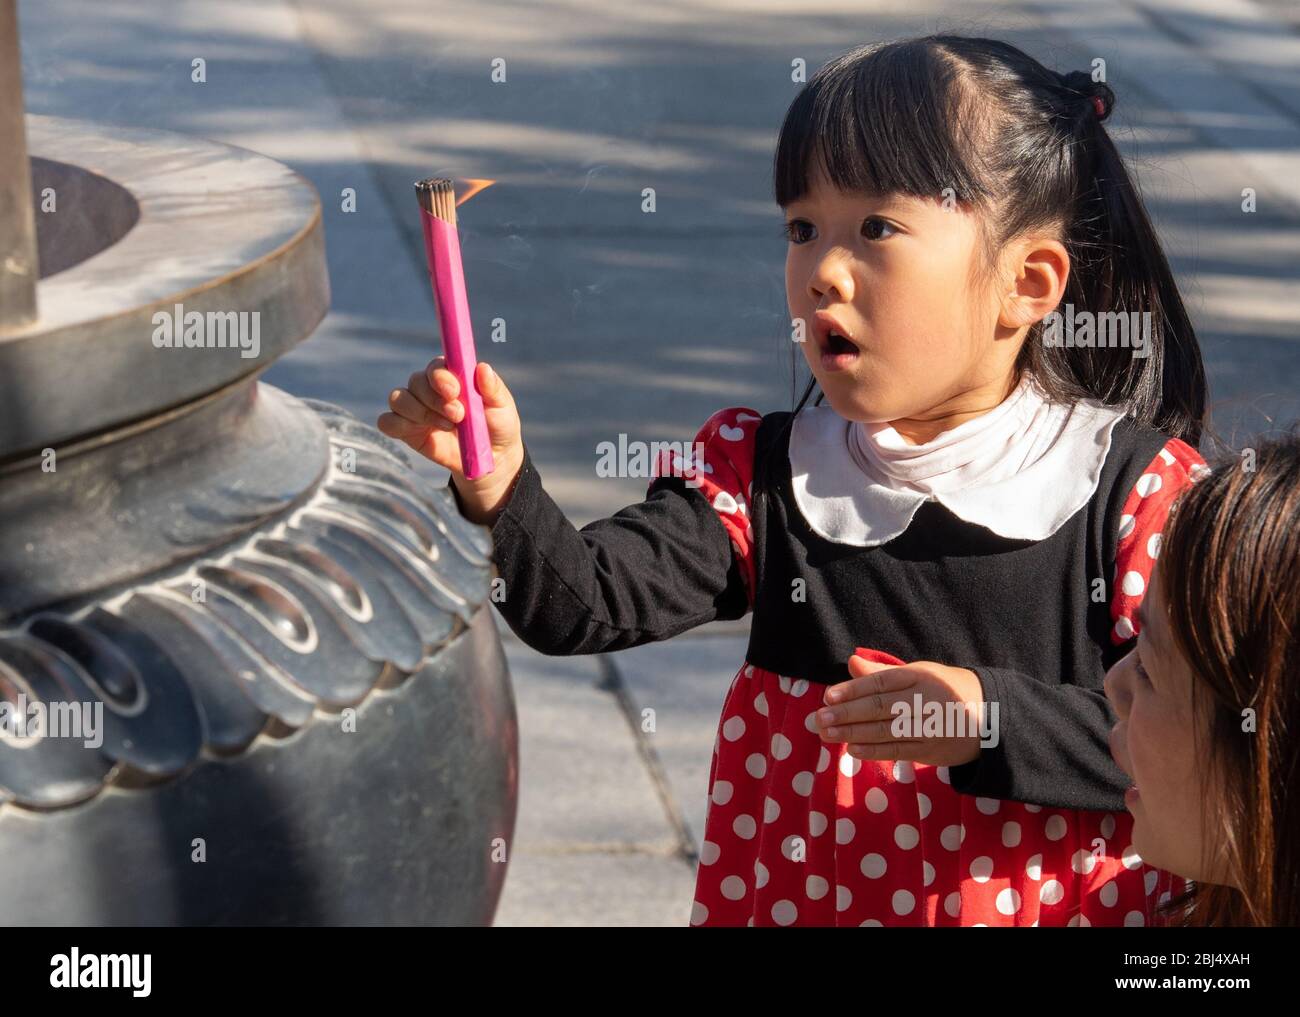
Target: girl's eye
{"type": "Point", "coordinates": [793, 231]}
{"type": "Point", "coordinates": [874, 228]}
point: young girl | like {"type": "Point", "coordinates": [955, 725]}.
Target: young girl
{"type": "Point", "coordinates": [976, 508]}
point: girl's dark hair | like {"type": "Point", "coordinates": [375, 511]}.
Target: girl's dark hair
{"type": "Point", "coordinates": [1227, 570]}
{"type": "Point", "coordinates": [1025, 146]}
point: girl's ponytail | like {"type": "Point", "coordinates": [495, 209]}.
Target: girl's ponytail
{"type": "Point", "coordinates": [1117, 267]}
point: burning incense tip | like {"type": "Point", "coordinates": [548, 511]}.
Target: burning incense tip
{"type": "Point", "coordinates": [437, 195]}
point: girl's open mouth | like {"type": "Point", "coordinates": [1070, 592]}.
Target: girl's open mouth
{"type": "Point", "coordinates": [838, 353]}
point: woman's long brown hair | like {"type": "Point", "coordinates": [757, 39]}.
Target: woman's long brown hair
{"type": "Point", "coordinates": [1229, 569]}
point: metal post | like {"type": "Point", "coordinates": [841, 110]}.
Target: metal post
{"type": "Point", "coordinates": [18, 262]}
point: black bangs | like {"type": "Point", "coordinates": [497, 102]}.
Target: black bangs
{"type": "Point", "coordinates": [885, 119]}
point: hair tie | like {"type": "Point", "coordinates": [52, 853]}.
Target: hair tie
{"type": "Point", "coordinates": [1099, 104]}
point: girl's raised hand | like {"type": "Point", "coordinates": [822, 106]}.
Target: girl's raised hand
{"type": "Point", "coordinates": [875, 712]}
{"type": "Point", "coordinates": [424, 415]}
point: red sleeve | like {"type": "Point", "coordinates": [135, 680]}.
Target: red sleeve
{"type": "Point", "coordinates": [721, 461]}
{"type": "Point", "coordinates": [1143, 518]}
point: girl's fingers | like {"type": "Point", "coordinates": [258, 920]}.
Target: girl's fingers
{"type": "Point", "coordinates": [875, 707]}
{"type": "Point", "coordinates": [911, 751]}
{"type": "Point", "coordinates": [441, 380]}
{"type": "Point", "coordinates": [418, 385]}
{"type": "Point", "coordinates": [874, 733]}
{"type": "Point", "coordinates": [870, 679]}
{"type": "Point", "coordinates": [405, 405]}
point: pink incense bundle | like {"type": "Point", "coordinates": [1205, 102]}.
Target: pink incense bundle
{"type": "Point", "coordinates": [442, 247]}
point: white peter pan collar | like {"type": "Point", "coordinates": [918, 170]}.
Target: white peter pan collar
{"type": "Point", "coordinates": [1020, 470]}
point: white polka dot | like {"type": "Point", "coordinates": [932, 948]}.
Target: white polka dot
{"type": "Point", "coordinates": [873, 866]}
{"type": "Point", "coordinates": [942, 773]}
{"type": "Point", "coordinates": [903, 902]}
{"type": "Point", "coordinates": [1109, 894]}
{"type": "Point", "coordinates": [1007, 901]}
{"type": "Point", "coordinates": [1167, 456]}
{"type": "Point", "coordinates": [733, 728]}
{"type": "Point", "coordinates": [1034, 867]}
{"type": "Point", "coordinates": [1056, 827]}
{"type": "Point", "coordinates": [699, 913]}
{"type": "Point", "coordinates": [871, 923]}
{"type": "Point", "coordinates": [1010, 834]}
{"type": "Point", "coordinates": [722, 792]}
{"type": "Point", "coordinates": [988, 806]}
{"type": "Point", "coordinates": [810, 723]}
{"type": "Point", "coordinates": [1130, 858]}
{"type": "Point", "coordinates": [843, 898]}
{"type": "Point", "coordinates": [927, 873]}
{"type": "Point", "coordinates": [1164, 897]}
{"type": "Point", "coordinates": [1151, 879]}
{"type": "Point", "coordinates": [749, 670]}
{"type": "Point", "coordinates": [724, 502]}
{"type": "Point", "coordinates": [1108, 827]}
{"type": "Point", "coordinates": [845, 831]}
{"type": "Point", "coordinates": [1134, 918]}
{"type": "Point", "coordinates": [923, 805]}
{"type": "Point", "coordinates": [760, 875]}
{"type": "Point", "coordinates": [1148, 484]}
{"type": "Point", "coordinates": [1079, 922]}
{"type": "Point", "coordinates": [952, 904]}
{"type": "Point", "coordinates": [1033, 808]}
{"type": "Point", "coordinates": [1083, 862]}
{"type": "Point", "coordinates": [802, 783]}
{"type": "Point", "coordinates": [733, 888]}
{"type": "Point", "coordinates": [760, 704]}
{"type": "Point", "coordinates": [709, 852]}
{"type": "Point", "coordinates": [1125, 526]}
{"type": "Point", "coordinates": [816, 887]}
{"type": "Point", "coordinates": [771, 809]}
{"type": "Point", "coordinates": [1051, 892]}
{"type": "Point", "coordinates": [799, 688]}
{"type": "Point", "coordinates": [1153, 544]}
{"type": "Point", "coordinates": [849, 765]}
{"type": "Point", "coordinates": [876, 800]}
{"type": "Point", "coordinates": [784, 912]}
{"type": "Point", "coordinates": [823, 759]}
{"type": "Point", "coordinates": [784, 683]}
{"type": "Point", "coordinates": [756, 765]}
{"type": "Point", "coordinates": [950, 837]}
{"type": "Point", "coordinates": [1133, 584]}
{"type": "Point", "coordinates": [745, 827]}
{"type": "Point", "coordinates": [817, 823]}
{"type": "Point", "coordinates": [1197, 471]}
{"type": "Point", "coordinates": [904, 771]}
{"type": "Point", "coordinates": [981, 869]}
{"type": "Point", "coordinates": [907, 837]}
{"type": "Point", "coordinates": [781, 746]}
{"type": "Point", "coordinates": [1124, 628]}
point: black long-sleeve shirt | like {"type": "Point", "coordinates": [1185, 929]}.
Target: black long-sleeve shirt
{"type": "Point", "coordinates": [1020, 614]}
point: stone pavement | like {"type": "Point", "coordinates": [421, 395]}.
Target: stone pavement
{"type": "Point", "coordinates": [619, 321]}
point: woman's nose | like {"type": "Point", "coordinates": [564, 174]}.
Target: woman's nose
{"type": "Point", "coordinates": [1117, 686]}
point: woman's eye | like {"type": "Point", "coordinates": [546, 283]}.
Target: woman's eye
{"type": "Point", "coordinates": [793, 231]}
{"type": "Point", "coordinates": [875, 228]}
{"type": "Point", "coordinates": [1141, 671]}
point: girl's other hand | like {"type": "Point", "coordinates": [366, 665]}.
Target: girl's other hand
{"type": "Point", "coordinates": [425, 414]}
{"type": "Point", "coordinates": [861, 712]}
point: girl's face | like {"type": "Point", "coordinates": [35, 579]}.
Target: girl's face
{"type": "Point", "coordinates": [1155, 744]}
{"type": "Point", "coordinates": [894, 274]}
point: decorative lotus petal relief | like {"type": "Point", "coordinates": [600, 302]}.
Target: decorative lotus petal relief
{"type": "Point", "coordinates": [352, 590]}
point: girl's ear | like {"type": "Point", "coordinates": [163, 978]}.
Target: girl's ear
{"type": "Point", "coordinates": [1038, 271]}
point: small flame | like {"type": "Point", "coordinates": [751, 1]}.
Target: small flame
{"type": "Point", "coordinates": [474, 187]}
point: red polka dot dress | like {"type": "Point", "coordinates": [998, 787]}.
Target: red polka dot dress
{"type": "Point", "coordinates": [798, 832]}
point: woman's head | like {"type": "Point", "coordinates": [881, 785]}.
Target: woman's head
{"type": "Point", "coordinates": [944, 194]}
{"type": "Point", "coordinates": [1209, 701]}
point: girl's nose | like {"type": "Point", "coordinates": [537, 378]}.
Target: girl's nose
{"type": "Point", "coordinates": [833, 275]}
